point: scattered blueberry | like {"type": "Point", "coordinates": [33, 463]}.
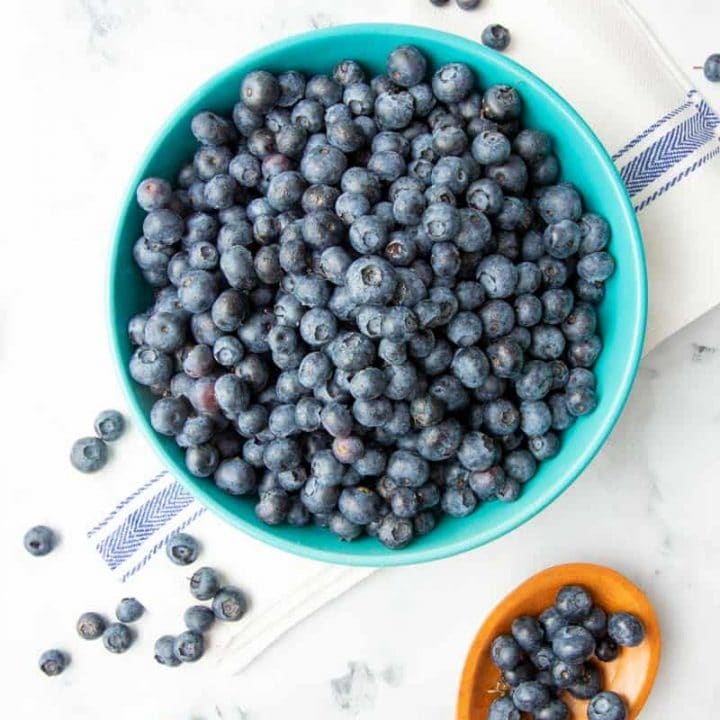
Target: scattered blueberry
{"type": "Point", "coordinates": [199, 618]}
{"type": "Point", "coordinates": [164, 651]}
{"type": "Point", "coordinates": [117, 637]}
{"type": "Point", "coordinates": [229, 604]}
{"type": "Point", "coordinates": [109, 425]}
{"type": "Point", "coordinates": [496, 37]}
{"type": "Point", "coordinates": [129, 610]}
{"type": "Point", "coordinates": [53, 662]}
{"type": "Point", "coordinates": [188, 646]}
{"type": "Point", "coordinates": [39, 540]}
{"type": "Point", "coordinates": [711, 68]}
{"type": "Point", "coordinates": [89, 454]}
{"type": "Point", "coordinates": [182, 548]}
{"type": "Point", "coordinates": [90, 625]}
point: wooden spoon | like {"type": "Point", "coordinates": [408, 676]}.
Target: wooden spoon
{"type": "Point", "coordinates": [631, 675]}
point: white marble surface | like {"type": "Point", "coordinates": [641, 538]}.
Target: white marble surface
{"type": "Point", "coordinates": [74, 129]}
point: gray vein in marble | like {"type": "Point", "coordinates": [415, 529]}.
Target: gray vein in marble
{"type": "Point", "coordinates": [702, 352]}
{"type": "Point", "coordinates": [106, 18]}
{"type": "Point", "coordinates": [320, 20]}
{"type": "Point", "coordinates": [356, 691]}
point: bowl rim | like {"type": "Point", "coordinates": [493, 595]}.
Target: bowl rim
{"type": "Point", "coordinates": [352, 555]}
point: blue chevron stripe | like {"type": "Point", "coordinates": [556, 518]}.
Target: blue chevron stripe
{"type": "Point", "coordinates": [670, 149]}
{"type": "Point", "coordinates": [680, 176]}
{"type": "Point", "coordinates": [651, 129]}
{"type": "Point", "coordinates": [142, 523]}
{"type": "Point", "coordinates": [108, 518]}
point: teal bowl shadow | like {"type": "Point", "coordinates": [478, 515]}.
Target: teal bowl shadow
{"type": "Point", "coordinates": [584, 161]}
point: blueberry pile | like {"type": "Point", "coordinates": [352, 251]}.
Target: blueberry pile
{"type": "Point", "coordinates": [545, 656]}
{"type": "Point", "coordinates": [374, 303]}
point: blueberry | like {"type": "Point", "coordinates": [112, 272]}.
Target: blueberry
{"type": "Point", "coordinates": [404, 502]}
{"type": "Point", "coordinates": [189, 646]}
{"type": "Point", "coordinates": [291, 87]}
{"type": "Point", "coordinates": [505, 652]}
{"type": "Point", "coordinates": [711, 68]}
{"type": "Point", "coordinates": [554, 710]}
{"type": "Point", "coordinates": [89, 454]}
{"type": "Point", "coordinates": [530, 696]}
{"type": "Point", "coordinates": [449, 140]}
{"type": "Point", "coordinates": [606, 650]}
{"type": "Point", "coordinates": [452, 82]}
{"type": "Point", "coordinates": [486, 483]}
{"type": "Point", "coordinates": [128, 610]}
{"type": "Point", "coordinates": [584, 353]}
{"type": "Point", "coordinates": [594, 233]}
{"type": "Point", "coordinates": [625, 629]}
{"type": "Point", "coordinates": [490, 147]}
{"type": "Point", "coordinates": [163, 651]}
{"type": "Point", "coordinates": [182, 548]}
{"type": "Point", "coordinates": [467, 4]}
{"type": "Point", "coordinates": [90, 626]}
{"type": "Point", "coordinates": [229, 604]}
{"type": "Point", "coordinates": [394, 532]}
{"type": "Point", "coordinates": [562, 239]}
{"type": "Point", "coordinates": [204, 583]}
{"type": "Point", "coordinates": [573, 644]}
{"type": "Point", "coordinates": [596, 622]}
{"type": "Point", "coordinates": [406, 66]}
{"type": "Point", "coordinates": [581, 323]}
{"type": "Point", "coordinates": [498, 276]}
{"type": "Point", "coordinates": [520, 465]}
{"type": "Point", "coordinates": [477, 451]}
{"type": "Point", "coordinates": [527, 633]}
{"type": "Point", "coordinates": [53, 662]}
{"type": "Point", "coordinates": [544, 447]}
{"type": "Point", "coordinates": [511, 175]}
{"type": "Point", "coordinates": [496, 37]}
{"type": "Point", "coordinates": [117, 637]}
{"type": "Point", "coordinates": [509, 491]}
{"type": "Point", "coordinates": [607, 705]}
{"type": "Point", "coordinates": [581, 401]}
{"type": "Point", "coordinates": [548, 342]}
{"type": "Point", "coordinates": [388, 165]}
{"type": "Point", "coordinates": [260, 90]}
{"type": "Point", "coordinates": [543, 658]}
{"type": "Point", "coordinates": [211, 129]}
{"type": "Point", "coordinates": [458, 502]}
{"type": "Point", "coordinates": [522, 673]}
{"type": "Point", "coordinates": [368, 234]}
{"type": "Point", "coordinates": [344, 528]}
{"type": "Point", "coordinates": [501, 417]}
{"type": "Point", "coordinates": [596, 267]}
{"type": "Point", "coordinates": [588, 685]}
{"type": "Point", "coordinates": [198, 618]}
{"type": "Point", "coordinates": [168, 415]}
{"type": "Point", "coordinates": [503, 708]}
{"type": "Point", "coordinates": [506, 358]}
{"type": "Point", "coordinates": [39, 540]}
{"type": "Point", "coordinates": [153, 193]}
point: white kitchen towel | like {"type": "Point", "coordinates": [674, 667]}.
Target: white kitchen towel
{"type": "Point", "coordinates": [663, 137]}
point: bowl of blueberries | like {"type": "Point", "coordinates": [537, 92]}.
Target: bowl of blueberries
{"type": "Point", "coordinates": [377, 294]}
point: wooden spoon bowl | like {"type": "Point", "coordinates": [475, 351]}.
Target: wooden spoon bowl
{"type": "Point", "coordinates": [631, 675]}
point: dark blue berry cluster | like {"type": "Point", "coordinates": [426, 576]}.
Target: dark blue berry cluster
{"type": "Point", "coordinates": [540, 658]}
{"type": "Point", "coordinates": [228, 604]}
{"type": "Point", "coordinates": [375, 304]}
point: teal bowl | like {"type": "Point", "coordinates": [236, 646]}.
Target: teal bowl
{"type": "Point", "coordinates": [584, 162]}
